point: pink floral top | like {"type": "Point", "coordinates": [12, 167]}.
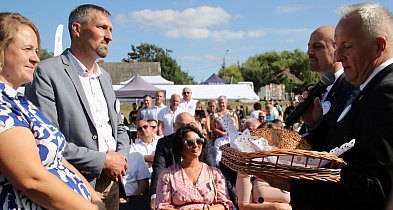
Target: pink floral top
{"type": "Point", "coordinates": [176, 190]}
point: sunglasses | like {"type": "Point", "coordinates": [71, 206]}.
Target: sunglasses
{"type": "Point", "coordinates": [191, 142]}
{"type": "Point", "coordinates": [144, 127]}
{"type": "Point", "coordinates": [153, 126]}
{"type": "Point", "coordinates": [186, 92]}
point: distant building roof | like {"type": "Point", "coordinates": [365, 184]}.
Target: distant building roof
{"type": "Point", "coordinates": [292, 77]}
{"type": "Point", "coordinates": [214, 79]}
{"type": "Point", "coordinates": [121, 71]}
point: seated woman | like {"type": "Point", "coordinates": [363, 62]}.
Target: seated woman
{"type": "Point", "coordinates": [254, 193]}
{"type": "Point", "coordinates": [190, 183]}
{"type": "Point", "coordinates": [34, 174]}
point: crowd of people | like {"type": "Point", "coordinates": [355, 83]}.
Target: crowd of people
{"type": "Point", "coordinates": [64, 144]}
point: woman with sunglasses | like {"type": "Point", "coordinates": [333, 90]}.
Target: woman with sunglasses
{"type": "Point", "coordinates": [190, 183]}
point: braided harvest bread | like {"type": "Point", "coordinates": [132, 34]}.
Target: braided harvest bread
{"type": "Point", "coordinates": [282, 138]}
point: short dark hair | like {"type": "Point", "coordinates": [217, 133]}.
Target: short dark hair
{"type": "Point", "coordinates": [81, 14]}
{"type": "Point", "coordinates": [257, 106]}
{"type": "Point", "coordinates": [178, 142]}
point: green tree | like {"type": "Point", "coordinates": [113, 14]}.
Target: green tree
{"type": "Point", "coordinates": [231, 74]}
{"type": "Point", "coordinates": [270, 67]}
{"type": "Point", "coordinates": [44, 54]}
{"type": "Point", "coordinates": [169, 67]}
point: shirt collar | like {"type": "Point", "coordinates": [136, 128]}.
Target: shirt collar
{"type": "Point", "coordinates": [9, 91]}
{"type": "Point", "coordinates": [80, 69]}
{"type": "Point", "coordinates": [375, 72]}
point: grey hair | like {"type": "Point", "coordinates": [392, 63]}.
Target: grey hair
{"type": "Point", "coordinates": [250, 121]}
{"type": "Point", "coordinates": [376, 20]}
{"type": "Point", "coordinates": [222, 98]}
{"type": "Point", "coordinates": [81, 15]}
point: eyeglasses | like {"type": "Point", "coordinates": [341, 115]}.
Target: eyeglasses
{"type": "Point", "coordinates": [191, 142]}
{"type": "Point", "coordinates": [143, 126]}
{"type": "Point", "coordinates": [186, 93]}
{"type": "Point", "coordinates": [153, 126]}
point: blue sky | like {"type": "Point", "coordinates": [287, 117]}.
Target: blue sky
{"type": "Point", "coordinates": [198, 31]}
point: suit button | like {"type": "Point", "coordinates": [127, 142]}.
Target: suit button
{"type": "Point", "coordinates": [95, 137]}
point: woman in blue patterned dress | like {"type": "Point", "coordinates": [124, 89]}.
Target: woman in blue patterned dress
{"type": "Point", "coordinates": [33, 173]}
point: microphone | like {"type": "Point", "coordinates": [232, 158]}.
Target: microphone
{"type": "Point", "coordinates": [326, 80]}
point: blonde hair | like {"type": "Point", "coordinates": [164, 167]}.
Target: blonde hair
{"type": "Point", "coordinates": [10, 24]}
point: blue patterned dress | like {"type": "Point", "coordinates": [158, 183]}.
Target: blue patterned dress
{"type": "Point", "coordinates": [15, 111]}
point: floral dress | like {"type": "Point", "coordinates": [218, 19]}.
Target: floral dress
{"type": "Point", "coordinates": [176, 190]}
{"type": "Point", "coordinates": [17, 111]}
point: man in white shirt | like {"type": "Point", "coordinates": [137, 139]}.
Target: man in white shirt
{"type": "Point", "coordinates": [187, 103]}
{"type": "Point", "coordinates": [167, 116]}
{"type": "Point", "coordinates": [145, 112]}
{"type": "Point", "coordinates": [158, 106]}
{"type": "Point", "coordinates": [136, 180]}
{"type": "Point", "coordinates": [145, 144]}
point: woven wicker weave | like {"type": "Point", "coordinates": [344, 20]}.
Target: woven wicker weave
{"type": "Point", "coordinates": [254, 163]}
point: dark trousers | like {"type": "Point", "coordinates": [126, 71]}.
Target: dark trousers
{"type": "Point", "coordinates": [230, 179]}
{"type": "Point", "coordinates": [136, 202]}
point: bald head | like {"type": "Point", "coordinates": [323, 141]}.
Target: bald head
{"type": "Point", "coordinates": [183, 118]}
{"type": "Point", "coordinates": [321, 50]}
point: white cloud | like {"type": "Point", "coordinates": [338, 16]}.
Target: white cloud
{"type": "Point", "coordinates": [190, 33]}
{"type": "Point", "coordinates": [200, 17]}
{"type": "Point", "coordinates": [286, 9]}
{"type": "Point", "coordinates": [211, 58]}
{"type": "Point", "coordinates": [256, 33]}
{"type": "Point", "coordinates": [190, 58]}
{"type": "Point", "coordinates": [288, 31]}
{"type": "Point", "coordinates": [227, 35]}
{"type": "Point", "coordinates": [197, 23]}
{"type": "Point", "coordinates": [201, 58]}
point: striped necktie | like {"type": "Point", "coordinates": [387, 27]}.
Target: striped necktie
{"type": "Point", "coordinates": [353, 96]}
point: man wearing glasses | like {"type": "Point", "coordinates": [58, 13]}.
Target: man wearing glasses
{"type": "Point", "coordinates": [187, 103]}
{"type": "Point", "coordinates": [145, 144]}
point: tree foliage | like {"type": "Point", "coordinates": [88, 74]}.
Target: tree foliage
{"type": "Point", "coordinates": [44, 54]}
{"type": "Point", "coordinates": [270, 67]}
{"type": "Point", "coordinates": [231, 74]}
{"type": "Point", "coordinates": [169, 67]}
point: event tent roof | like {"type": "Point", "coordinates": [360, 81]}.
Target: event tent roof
{"type": "Point", "coordinates": [153, 80]}
{"type": "Point", "coordinates": [214, 79]}
{"type": "Point", "coordinates": [242, 92]}
{"type": "Point", "coordinates": [136, 88]}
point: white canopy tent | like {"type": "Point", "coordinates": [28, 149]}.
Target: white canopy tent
{"type": "Point", "coordinates": [242, 92]}
{"type": "Point", "coordinates": [153, 80]}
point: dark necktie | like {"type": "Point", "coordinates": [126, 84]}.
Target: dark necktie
{"type": "Point", "coordinates": [353, 96]}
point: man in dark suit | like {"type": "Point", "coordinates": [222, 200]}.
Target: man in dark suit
{"type": "Point", "coordinates": [77, 96]}
{"type": "Point", "coordinates": [320, 52]}
{"type": "Point", "coordinates": [163, 156]}
{"type": "Point", "coordinates": [364, 46]}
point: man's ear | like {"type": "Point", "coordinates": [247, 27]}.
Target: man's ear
{"type": "Point", "coordinates": [76, 29]}
{"type": "Point", "coordinates": [381, 45]}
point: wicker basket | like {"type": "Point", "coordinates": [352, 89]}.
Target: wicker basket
{"type": "Point", "coordinates": [254, 163]}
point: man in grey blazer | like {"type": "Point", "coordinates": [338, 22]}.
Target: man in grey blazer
{"type": "Point", "coordinates": [77, 95]}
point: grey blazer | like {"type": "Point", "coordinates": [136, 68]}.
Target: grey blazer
{"type": "Point", "coordinates": [57, 91]}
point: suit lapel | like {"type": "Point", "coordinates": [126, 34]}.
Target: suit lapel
{"type": "Point", "coordinates": [336, 86]}
{"type": "Point", "coordinates": [377, 78]}
{"type": "Point", "coordinates": [70, 71]}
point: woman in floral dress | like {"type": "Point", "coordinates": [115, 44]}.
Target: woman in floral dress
{"type": "Point", "coordinates": [190, 183]}
{"type": "Point", "coordinates": [33, 173]}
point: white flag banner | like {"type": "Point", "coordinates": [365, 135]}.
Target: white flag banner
{"type": "Point", "coordinates": [58, 48]}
